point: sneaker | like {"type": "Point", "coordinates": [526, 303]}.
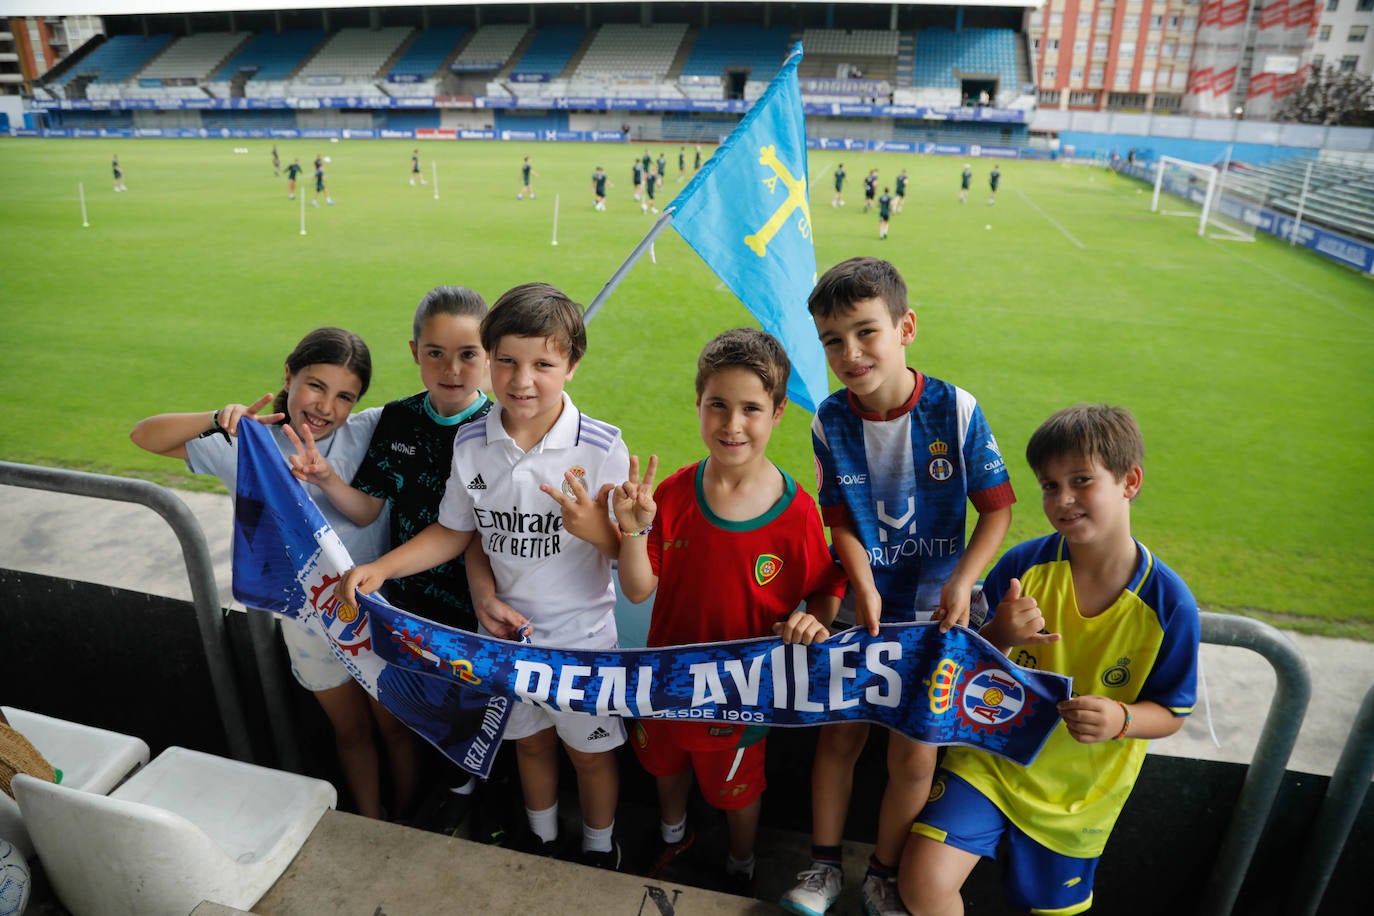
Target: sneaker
{"type": "Point", "coordinates": [669, 852]}
{"type": "Point", "coordinates": [881, 897]}
{"type": "Point", "coordinates": [609, 859]}
{"type": "Point", "coordinates": [817, 889]}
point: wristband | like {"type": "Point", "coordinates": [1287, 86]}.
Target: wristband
{"type": "Point", "coordinates": [215, 428]}
{"type": "Point", "coordinates": [636, 534]}
{"type": "Point", "coordinates": [1124, 725]}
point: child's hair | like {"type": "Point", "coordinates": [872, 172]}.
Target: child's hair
{"type": "Point", "coordinates": [855, 280]}
{"type": "Point", "coordinates": [1092, 431]}
{"type": "Point", "coordinates": [329, 347]}
{"type": "Point", "coordinates": [751, 349]}
{"type": "Point", "coordinates": [458, 301]}
{"type": "Point", "coordinates": [537, 310]}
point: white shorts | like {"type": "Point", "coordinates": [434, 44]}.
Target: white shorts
{"type": "Point", "coordinates": [581, 732]}
{"type": "Point", "coordinates": [313, 662]}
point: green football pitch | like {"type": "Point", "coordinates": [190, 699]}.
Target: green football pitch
{"type": "Point", "coordinates": [1249, 365]}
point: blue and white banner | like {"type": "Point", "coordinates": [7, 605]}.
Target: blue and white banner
{"type": "Point", "coordinates": [287, 559]}
{"type": "Point", "coordinates": [455, 688]}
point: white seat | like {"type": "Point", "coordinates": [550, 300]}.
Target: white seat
{"type": "Point", "coordinates": [187, 827]}
{"type": "Point", "coordinates": [91, 759]}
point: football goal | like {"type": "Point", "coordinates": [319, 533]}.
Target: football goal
{"type": "Point", "coordinates": [1226, 202]}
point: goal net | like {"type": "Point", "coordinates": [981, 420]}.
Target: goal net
{"type": "Point", "coordinates": [1226, 202]}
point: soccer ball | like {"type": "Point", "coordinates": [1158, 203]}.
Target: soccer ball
{"type": "Point", "coordinates": [14, 880]}
{"type": "Point", "coordinates": [328, 159]}
{"type": "Point", "coordinates": [988, 226]}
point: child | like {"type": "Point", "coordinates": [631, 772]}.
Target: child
{"type": "Point", "coordinates": [549, 570]}
{"type": "Point", "coordinates": [408, 463]}
{"type": "Point", "coordinates": [884, 212]}
{"type": "Point", "coordinates": [325, 376]}
{"type": "Point", "coordinates": [118, 175]}
{"type": "Point", "coordinates": [994, 178]}
{"type": "Point", "coordinates": [415, 172]}
{"type": "Point", "coordinates": [650, 183]}
{"type": "Point", "coordinates": [1087, 601]}
{"type": "Point", "coordinates": [965, 177]}
{"type": "Point", "coordinates": [728, 512]}
{"type": "Point", "coordinates": [902, 179]}
{"type": "Point", "coordinates": [870, 189]}
{"type": "Point", "coordinates": [276, 162]}
{"type": "Point", "coordinates": [838, 199]}
{"type": "Point", "coordinates": [899, 455]}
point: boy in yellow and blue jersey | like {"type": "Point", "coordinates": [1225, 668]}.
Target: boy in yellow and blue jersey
{"type": "Point", "coordinates": [1092, 602]}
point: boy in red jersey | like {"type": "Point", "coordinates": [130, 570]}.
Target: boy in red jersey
{"type": "Point", "coordinates": [738, 515]}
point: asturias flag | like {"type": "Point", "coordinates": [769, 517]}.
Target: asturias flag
{"type": "Point", "coordinates": [748, 214]}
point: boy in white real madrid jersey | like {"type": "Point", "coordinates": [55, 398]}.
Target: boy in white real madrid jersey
{"type": "Point", "coordinates": [532, 481]}
{"type": "Point", "coordinates": [899, 457]}
{"type": "Point", "coordinates": [1092, 602]}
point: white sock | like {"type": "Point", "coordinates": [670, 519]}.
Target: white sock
{"type": "Point", "coordinates": [735, 866]}
{"type": "Point", "coordinates": [597, 839]}
{"type": "Point", "coordinates": [673, 833]}
{"type": "Point", "coordinates": [466, 788]}
{"type": "Point", "coordinates": [544, 823]}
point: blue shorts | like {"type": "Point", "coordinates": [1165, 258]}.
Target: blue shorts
{"type": "Point", "coordinates": [1037, 879]}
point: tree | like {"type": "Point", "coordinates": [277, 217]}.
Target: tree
{"type": "Point", "coordinates": [1331, 96]}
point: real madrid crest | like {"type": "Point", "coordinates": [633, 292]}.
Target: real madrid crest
{"type": "Point", "coordinates": [577, 471]}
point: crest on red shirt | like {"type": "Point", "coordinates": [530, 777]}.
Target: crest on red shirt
{"type": "Point", "coordinates": [766, 568]}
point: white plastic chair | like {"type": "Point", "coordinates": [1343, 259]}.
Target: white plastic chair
{"type": "Point", "coordinates": [91, 759]}
{"type": "Point", "coordinates": [187, 827]}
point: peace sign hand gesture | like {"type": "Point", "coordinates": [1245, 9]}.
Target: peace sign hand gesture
{"type": "Point", "coordinates": [307, 465]}
{"type": "Point", "coordinates": [633, 501]}
{"type": "Point", "coordinates": [584, 516]}
{"type": "Point", "coordinates": [228, 416]}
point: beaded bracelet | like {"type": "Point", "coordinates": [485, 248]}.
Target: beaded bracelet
{"type": "Point", "coordinates": [1124, 725]}
{"type": "Point", "coordinates": [636, 534]}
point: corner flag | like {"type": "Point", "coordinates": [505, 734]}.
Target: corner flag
{"type": "Point", "coordinates": [748, 215]}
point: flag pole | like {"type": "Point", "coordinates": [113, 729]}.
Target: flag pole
{"type": "Point", "coordinates": [639, 251]}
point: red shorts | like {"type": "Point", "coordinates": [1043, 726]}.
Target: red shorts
{"type": "Point", "coordinates": [730, 776]}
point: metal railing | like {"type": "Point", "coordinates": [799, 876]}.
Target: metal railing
{"type": "Point", "coordinates": [1340, 806]}
{"type": "Point", "coordinates": [1265, 772]}
{"type": "Point", "coordinates": [199, 570]}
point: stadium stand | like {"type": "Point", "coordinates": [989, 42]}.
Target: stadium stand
{"type": "Point", "coordinates": [116, 60]}
{"type": "Point", "coordinates": [1339, 195]}
{"type": "Point", "coordinates": [548, 53]}
{"type": "Point", "coordinates": [861, 54]}
{"type": "Point", "coordinates": [427, 53]}
{"type": "Point", "coordinates": [737, 47]}
{"type": "Point", "coordinates": [943, 56]}
{"type": "Point", "coordinates": [629, 51]}
{"type": "Point", "coordinates": [179, 71]}
{"type": "Point", "coordinates": [489, 49]}
{"type": "Point", "coordinates": [266, 60]}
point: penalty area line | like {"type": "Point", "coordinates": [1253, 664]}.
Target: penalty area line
{"type": "Point", "coordinates": [1052, 221]}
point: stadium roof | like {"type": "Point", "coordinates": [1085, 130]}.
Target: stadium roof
{"type": "Point", "coordinates": [135, 7]}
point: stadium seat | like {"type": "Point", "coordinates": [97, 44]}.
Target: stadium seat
{"type": "Point", "coordinates": [186, 828]}
{"type": "Point", "coordinates": [91, 759]}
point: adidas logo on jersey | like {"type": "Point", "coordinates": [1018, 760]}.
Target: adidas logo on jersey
{"type": "Point", "coordinates": [477, 483]}
{"type": "Point", "coordinates": [599, 735]}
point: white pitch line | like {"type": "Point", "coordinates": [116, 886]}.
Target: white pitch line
{"type": "Point", "coordinates": [1335, 304]}
{"type": "Point", "coordinates": [1053, 222]}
